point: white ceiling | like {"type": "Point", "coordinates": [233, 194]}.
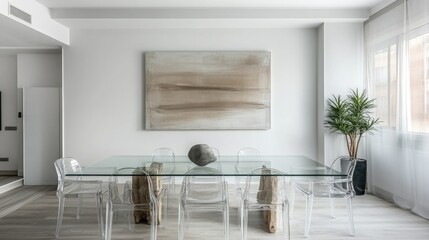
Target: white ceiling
{"type": "Point", "coordinates": [290, 4]}
{"type": "Point", "coordinates": [115, 14]}
{"type": "Point", "coordinates": [104, 14]}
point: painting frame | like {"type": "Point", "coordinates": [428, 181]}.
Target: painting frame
{"type": "Point", "coordinates": [207, 90]}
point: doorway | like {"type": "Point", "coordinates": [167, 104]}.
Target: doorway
{"type": "Point", "coordinates": [22, 69]}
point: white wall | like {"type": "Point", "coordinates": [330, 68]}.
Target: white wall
{"type": "Point", "coordinates": [8, 87]}
{"type": "Point", "coordinates": [39, 70]}
{"type": "Point", "coordinates": [342, 70]}
{"type": "Point", "coordinates": [104, 101]}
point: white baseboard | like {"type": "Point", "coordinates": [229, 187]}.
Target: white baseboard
{"type": "Point", "coordinates": [11, 185]}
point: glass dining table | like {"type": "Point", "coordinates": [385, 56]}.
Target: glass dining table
{"type": "Point", "coordinates": [293, 166]}
{"type": "Point", "coordinates": [228, 166]}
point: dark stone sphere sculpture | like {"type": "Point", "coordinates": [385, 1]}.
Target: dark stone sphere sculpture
{"type": "Point", "coordinates": [201, 154]}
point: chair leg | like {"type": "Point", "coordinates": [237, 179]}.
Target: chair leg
{"type": "Point", "coordinates": [165, 203]}
{"type": "Point", "coordinates": [181, 219]}
{"type": "Point", "coordinates": [309, 209]}
{"type": "Point", "coordinates": [286, 226]}
{"type": "Point", "coordinates": [350, 213]}
{"type": "Point", "coordinates": [130, 218]}
{"type": "Point", "coordinates": [61, 201]}
{"type": "Point", "coordinates": [226, 221]}
{"type": "Point", "coordinates": [241, 210]}
{"type": "Point", "coordinates": [100, 214]}
{"type": "Point", "coordinates": [245, 221]}
{"type": "Point", "coordinates": [154, 223]}
{"type": "Point", "coordinates": [79, 206]}
{"type": "Point", "coordinates": [109, 220]}
{"type": "Point", "coordinates": [239, 202]}
{"type": "Point", "coordinates": [171, 196]}
{"type": "Point", "coordinates": [291, 199]}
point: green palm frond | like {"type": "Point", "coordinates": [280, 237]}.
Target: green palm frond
{"type": "Point", "coordinates": [351, 117]}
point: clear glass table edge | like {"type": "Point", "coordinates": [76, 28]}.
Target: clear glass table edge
{"type": "Point", "coordinates": [316, 170]}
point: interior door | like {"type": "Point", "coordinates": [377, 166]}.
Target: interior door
{"type": "Point", "coordinates": [41, 117]}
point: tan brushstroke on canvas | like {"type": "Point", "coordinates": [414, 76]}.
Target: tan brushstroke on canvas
{"type": "Point", "coordinates": [207, 90]}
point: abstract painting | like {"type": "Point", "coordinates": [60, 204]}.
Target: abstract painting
{"type": "Point", "coordinates": [207, 90]}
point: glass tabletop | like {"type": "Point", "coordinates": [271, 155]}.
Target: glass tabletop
{"type": "Point", "coordinates": [227, 165]}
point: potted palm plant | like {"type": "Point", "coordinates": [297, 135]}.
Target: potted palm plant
{"type": "Point", "coordinates": [352, 118]}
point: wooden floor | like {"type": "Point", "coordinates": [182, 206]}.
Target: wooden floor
{"type": "Point", "coordinates": [30, 212]}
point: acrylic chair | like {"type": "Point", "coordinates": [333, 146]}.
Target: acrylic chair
{"type": "Point", "coordinates": [75, 187]}
{"type": "Point", "coordinates": [203, 189]}
{"type": "Point", "coordinates": [328, 187]}
{"type": "Point", "coordinates": [265, 191]}
{"type": "Point", "coordinates": [249, 154]}
{"type": "Point", "coordinates": [166, 155]}
{"type": "Point", "coordinates": [215, 152]}
{"type": "Point", "coordinates": [245, 154]}
{"type": "Point", "coordinates": [132, 198]}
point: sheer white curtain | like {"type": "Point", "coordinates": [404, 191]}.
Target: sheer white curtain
{"type": "Point", "coordinates": [397, 60]}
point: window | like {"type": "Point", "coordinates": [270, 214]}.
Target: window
{"type": "Point", "coordinates": [419, 83]}
{"type": "Point", "coordinates": [385, 83]}
{"type": "Point", "coordinates": [385, 78]}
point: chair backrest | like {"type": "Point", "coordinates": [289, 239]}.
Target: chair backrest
{"type": "Point", "coordinates": [345, 165]}
{"type": "Point", "coordinates": [248, 154]}
{"type": "Point", "coordinates": [163, 155]}
{"type": "Point", "coordinates": [67, 165]}
{"type": "Point", "coordinates": [203, 185]}
{"type": "Point", "coordinates": [265, 186]}
{"type": "Point", "coordinates": [64, 166]}
{"type": "Point", "coordinates": [215, 152]}
{"type": "Point", "coordinates": [138, 187]}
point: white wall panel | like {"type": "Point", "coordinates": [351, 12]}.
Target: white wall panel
{"type": "Point", "coordinates": [41, 135]}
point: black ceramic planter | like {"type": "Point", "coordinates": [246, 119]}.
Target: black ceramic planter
{"type": "Point", "coordinates": [359, 177]}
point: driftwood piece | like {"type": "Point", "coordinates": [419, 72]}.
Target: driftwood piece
{"type": "Point", "coordinates": [268, 193]}
{"type": "Point", "coordinates": [140, 193]}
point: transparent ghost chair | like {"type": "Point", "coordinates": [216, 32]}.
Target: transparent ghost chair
{"type": "Point", "coordinates": [265, 191]}
{"type": "Point", "coordinates": [75, 187]}
{"type": "Point", "coordinates": [203, 189]}
{"type": "Point", "coordinates": [249, 154]}
{"type": "Point", "coordinates": [166, 155]}
{"type": "Point", "coordinates": [245, 154]}
{"type": "Point", "coordinates": [134, 197]}
{"type": "Point", "coordinates": [215, 151]}
{"type": "Point", "coordinates": [328, 187]}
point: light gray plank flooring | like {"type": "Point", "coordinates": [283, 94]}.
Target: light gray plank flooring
{"type": "Point", "coordinates": [35, 218]}
{"type": "Point", "coordinates": [16, 198]}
